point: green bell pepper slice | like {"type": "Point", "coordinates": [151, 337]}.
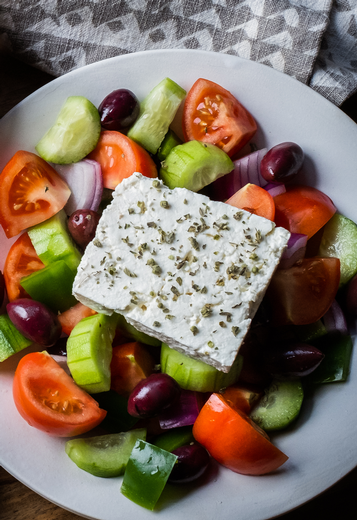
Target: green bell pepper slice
{"type": "Point", "coordinates": [146, 474]}
{"type": "Point", "coordinates": [336, 364]}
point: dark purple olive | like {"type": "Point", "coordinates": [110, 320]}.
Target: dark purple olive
{"type": "Point", "coordinates": [153, 395]}
{"type": "Point", "coordinates": [82, 225]}
{"type": "Point", "coordinates": [351, 297]}
{"type": "Point", "coordinates": [293, 360]}
{"type": "Point", "coordinates": [282, 162]}
{"type": "Point", "coordinates": [59, 348]}
{"type": "Point", "coordinates": [191, 463]}
{"type": "Point", "coordinates": [119, 110]}
{"type": "Point", "coordinates": [35, 321]}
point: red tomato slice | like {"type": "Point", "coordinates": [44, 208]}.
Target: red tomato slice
{"type": "Point", "coordinates": [212, 115]}
{"type": "Point", "coordinates": [119, 157]}
{"type": "Point", "coordinates": [69, 318]}
{"type": "Point", "coordinates": [241, 396]}
{"type": "Point", "coordinates": [48, 399]}
{"type": "Point", "coordinates": [21, 260]}
{"type": "Point", "coordinates": [31, 191]}
{"type": "Point", "coordinates": [131, 363]}
{"type": "Point", "coordinates": [303, 209]}
{"type": "Point", "coordinates": [254, 199]}
{"type": "Point", "coordinates": [234, 440]}
{"type": "Point", "coordinates": [304, 293]}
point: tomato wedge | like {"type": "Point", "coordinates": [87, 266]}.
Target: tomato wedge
{"type": "Point", "coordinates": [213, 115]}
{"type": "Point", "coordinates": [48, 399]}
{"type": "Point", "coordinates": [241, 396]}
{"type": "Point", "coordinates": [69, 318]}
{"type": "Point", "coordinates": [254, 199]}
{"type": "Point", "coordinates": [303, 209]}
{"type": "Point", "coordinates": [234, 440]}
{"type": "Point", "coordinates": [131, 363]}
{"type": "Point", "coordinates": [119, 157]}
{"type": "Point", "coordinates": [304, 293]}
{"type": "Point", "coordinates": [21, 260]}
{"type": "Point", "coordinates": [31, 191]}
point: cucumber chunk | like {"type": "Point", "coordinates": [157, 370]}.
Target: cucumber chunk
{"type": "Point", "coordinates": [170, 141]}
{"type": "Point", "coordinates": [194, 165]}
{"type": "Point", "coordinates": [195, 375]}
{"type": "Point", "coordinates": [131, 332]}
{"type": "Point", "coordinates": [89, 352]}
{"type": "Point", "coordinates": [174, 438]}
{"type": "Point", "coordinates": [104, 455]}
{"type": "Point", "coordinates": [75, 133]}
{"type": "Point", "coordinates": [11, 340]}
{"type": "Point", "coordinates": [53, 242]}
{"type": "Point", "coordinates": [339, 240]}
{"type": "Point", "coordinates": [157, 112]}
{"type": "Point", "coordinates": [51, 286]}
{"type": "Point", "coordinates": [280, 405]}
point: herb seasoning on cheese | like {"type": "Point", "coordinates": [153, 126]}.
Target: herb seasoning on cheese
{"type": "Point", "coordinates": [187, 285]}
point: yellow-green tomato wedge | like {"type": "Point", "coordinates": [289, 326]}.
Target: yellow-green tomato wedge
{"type": "Point", "coordinates": [74, 134]}
{"type": "Point", "coordinates": [195, 375]}
{"type": "Point", "coordinates": [339, 240]}
{"type": "Point", "coordinates": [104, 455]}
{"type": "Point", "coordinates": [89, 352]}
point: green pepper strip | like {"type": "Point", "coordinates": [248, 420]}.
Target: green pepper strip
{"type": "Point", "coordinates": [336, 363]}
{"type": "Point", "coordinates": [146, 474]}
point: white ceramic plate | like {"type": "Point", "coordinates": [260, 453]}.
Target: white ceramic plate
{"type": "Point", "coordinates": [321, 446]}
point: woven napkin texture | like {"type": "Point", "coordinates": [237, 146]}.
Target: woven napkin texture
{"type": "Point", "coordinates": [315, 41]}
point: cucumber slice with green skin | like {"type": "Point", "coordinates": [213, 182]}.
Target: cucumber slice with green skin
{"type": "Point", "coordinates": [51, 286]}
{"type": "Point", "coordinates": [104, 455]}
{"type": "Point", "coordinates": [280, 405]}
{"type": "Point", "coordinates": [195, 375]}
{"type": "Point", "coordinates": [53, 242]}
{"type": "Point", "coordinates": [174, 439]}
{"type": "Point", "coordinates": [170, 141]}
{"type": "Point", "coordinates": [194, 165]}
{"type": "Point", "coordinates": [11, 340]}
{"type": "Point", "coordinates": [339, 240]}
{"type": "Point", "coordinates": [131, 332]}
{"type": "Point", "coordinates": [89, 352]}
{"type": "Point", "coordinates": [75, 133]}
{"type": "Point", "coordinates": [157, 112]}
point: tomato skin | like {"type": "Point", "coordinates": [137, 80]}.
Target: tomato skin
{"type": "Point", "coordinates": [254, 199]}
{"type": "Point", "coordinates": [303, 209]}
{"type": "Point", "coordinates": [304, 293]}
{"type": "Point", "coordinates": [131, 363]}
{"type": "Point", "coordinates": [234, 440]}
{"type": "Point", "coordinates": [229, 125]}
{"type": "Point", "coordinates": [31, 191]}
{"type": "Point", "coordinates": [21, 260]}
{"type": "Point", "coordinates": [37, 378]}
{"type": "Point", "coordinates": [69, 318]}
{"type": "Point", "coordinates": [119, 157]}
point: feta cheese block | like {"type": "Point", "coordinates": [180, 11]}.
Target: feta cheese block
{"type": "Point", "coordinates": [180, 267]}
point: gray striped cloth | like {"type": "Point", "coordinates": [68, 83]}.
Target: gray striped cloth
{"type": "Point", "coordinates": [315, 41]}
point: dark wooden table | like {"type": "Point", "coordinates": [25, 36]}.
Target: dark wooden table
{"type": "Point", "coordinates": [17, 502]}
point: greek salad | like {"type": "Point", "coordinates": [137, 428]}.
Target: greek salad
{"type": "Point", "coordinates": [184, 292]}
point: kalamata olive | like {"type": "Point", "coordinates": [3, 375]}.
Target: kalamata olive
{"type": "Point", "coordinates": [191, 463]}
{"type": "Point", "coordinates": [59, 348]}
{"type": "Point", "coordinates": [351, 297]}
{"type": "Point", "coordinates": [119, 110]}
{"type": "Point", "coordinates": [293, 360]}
{"type": "Point", "coordinates": [153, 395]}
{"type": "Point", "coordinates": [282, 162]}
{"type": "Point", "coordinates": [82, 225]}
{"type": "Point", "coordinates": [35, 321]}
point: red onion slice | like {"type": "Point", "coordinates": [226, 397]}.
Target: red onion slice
{"type": "Point", "coordinates": [334, 319]}
{"type": "Point", "coordinates": [84, 179]}
{"type": "Point", "coordinates": [246, 170]}
{"type": "Point", "coordinates": [183, 413]}
{"type": "Point", "coordinates": [275, 189]}
{"type": "Point", "coordinates": [295, 250]}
